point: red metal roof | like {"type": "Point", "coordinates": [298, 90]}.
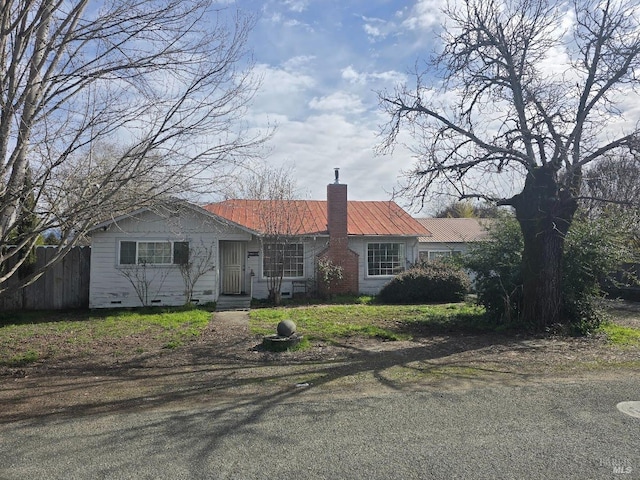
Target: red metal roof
{"type": "Point", "coordinates": [309, 217]}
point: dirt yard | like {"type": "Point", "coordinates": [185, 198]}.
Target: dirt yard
{"type": "Point", "coordinates": [227, 364]}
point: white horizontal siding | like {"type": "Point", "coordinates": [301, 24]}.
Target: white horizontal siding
{"type": "Point", "coordinates": [371, 285]}
{"type": "Point", "coordinates": [368, 285]}
{"type": "Point", "coordinates": [110, 288]}
{"type": "Point", "coordinates": [260, 286]}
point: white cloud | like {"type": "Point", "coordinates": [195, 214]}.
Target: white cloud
{"type": "Point", "coordinates": [376, 28]}
{"type": "Point", "coordinates": [425, 14]}
{"type": "Point", "coordinates": [283, 91]}
{"type": "Point", "coordinates": [362, 78]}
{"type": "Point", "coordinates": [322, 142]}
{"type": "Point", "coordinates": [283, 79]}
{"type": "Point", "coordinates": [299, 62]}
{"type": "Point", "coordinates": [275, 17]}
{"type": "Point", "coordinates": [618, 125]}
{"type": "Point", "coordinates": [373, 31]}
{"type": "Point", "coordinates": [338, 102]}
{"type": "Point", "coordinates": [352, 76]}
{"type": "Point", "coordinates": [298, 6]}
{"type": "Point", "coordinates": [275, 14]}
{"type": "Point", "coordinates": [390, 76]}
{"type": "Point", "coordinates": [284, 21]}
{"type": "Point", "coordinates": [557, 61]}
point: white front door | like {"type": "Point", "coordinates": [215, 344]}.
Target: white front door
{"type": "Point", "coordinates": [232, 257]}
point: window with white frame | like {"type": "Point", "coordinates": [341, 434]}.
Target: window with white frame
{"type": "Point", "coordinates": [286, 259]}
{"type": "Point", "coordinates": [434, 255]}
{"type": "Point", "coordinates": [153, 253]}
{"type": "Point", "coordinates": [385, 258]}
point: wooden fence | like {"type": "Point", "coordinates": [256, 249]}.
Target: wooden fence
{"type": "Point", "coordinates": [65, 285]}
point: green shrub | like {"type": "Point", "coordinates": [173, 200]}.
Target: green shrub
{"type": "Point", "coordinates": [592, 250]}
{"type": "Point", "coordinates": [427, 282]}
{"type": "Point", "coordinates": [496, 264]}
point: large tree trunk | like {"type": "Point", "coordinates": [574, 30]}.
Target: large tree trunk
{"type": "Point", "coordinates": [545, 213]}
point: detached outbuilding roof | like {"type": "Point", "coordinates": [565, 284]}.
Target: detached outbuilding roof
{"type": "Point", "coordinates": [454, 230]}
{"type": "Point", "coordinates": [309, 217]}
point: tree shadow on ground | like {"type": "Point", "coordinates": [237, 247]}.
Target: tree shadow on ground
{"type": "Point", "coordinates": [236, 372]}
{"type": "Point", "coordinates": [222, 392]}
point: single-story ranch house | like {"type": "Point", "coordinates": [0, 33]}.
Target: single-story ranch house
{"type": "Point", "coordinates": [150, 256]}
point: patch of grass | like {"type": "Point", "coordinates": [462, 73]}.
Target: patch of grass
{"type": "Point", "coordinates": [301, 345]}
{"type": "Point", "coordinates": [351, 300]}
{"type": "Point", "coordinates": [62, 333]}
{"type": "Point", "coordinates": [30, 356]}
{"type": "Point", "coordinates": [619, 335]}
{"type": "Point", "coordinates": [107, 324]}
{"type": "Point", "coordinates": [426, 371]}
{"type": "Point", "coordinates": [453, 317]}
{"type": "Point", "coordinates": [389, 322]}
{"type": "Point", "coordinates": [173, 344]}
{"type": "Point", "coordinates": [307, 301]}
{"type": "Point", "coordinates": [381, 333]}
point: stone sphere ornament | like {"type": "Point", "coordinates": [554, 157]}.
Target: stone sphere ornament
{"type": "Point", "coordinates": [286, 328]}
{"type": "Point", "coordinates": [285, 339]}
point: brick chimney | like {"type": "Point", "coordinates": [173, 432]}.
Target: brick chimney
{"type": "Point", "coordinates": [338, 251]}
{"type": "Point", "coordinates": [337, 214]}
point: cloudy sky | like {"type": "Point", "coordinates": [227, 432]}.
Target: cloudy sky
{"type": "Point", "coordinates": [322, 63]}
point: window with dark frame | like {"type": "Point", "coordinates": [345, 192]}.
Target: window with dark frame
{"type": "Point", "coordinates": [153, 253]}
{"type": "Point", "coordinates": [128, 253]}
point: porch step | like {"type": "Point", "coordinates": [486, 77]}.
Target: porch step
{"type": "Point", "coordinates": [233, 302]}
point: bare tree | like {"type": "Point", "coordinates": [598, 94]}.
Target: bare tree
{"type": "Point", "coordinates": [146, 282]}
{"type": "Point", "coordinates": [198, 261]}
{"type": "Point", "coordinates": [531, 86]}
{"type": "Point", "coordinates": [613, 182]}
{"type": "Point", "coordinates": [466, 209]}
{"type": "Point", "coordinates": [281, 219]}
{"type": "Point", "coordinates": [166, 81]}
{"type": "Point", "coordinates": [612, 188]}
